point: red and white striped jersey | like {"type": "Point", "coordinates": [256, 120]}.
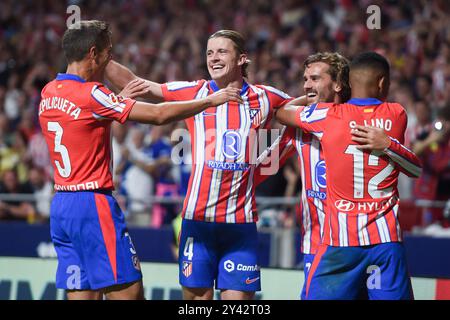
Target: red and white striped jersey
{"type": "Point", "coordinates": [313, 196]}
{"type": "Point", "coordinates": [313, 176]}
{"type": "Point", "coordinates": [224, 143]}
{"type": "Point", "coordinates": [362, 193]}
{"type": "Point", "coordinates": [75, 118]}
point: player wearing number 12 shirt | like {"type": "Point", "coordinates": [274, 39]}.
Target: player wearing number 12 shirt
{"type": "Point", "coordinates": [94, 249]}
{"type": "Point", "coordinates": [361, 254]}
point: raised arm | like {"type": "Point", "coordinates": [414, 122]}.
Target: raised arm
{"type": "Point", "coordinates": [373, 138]}
{"type": "Point", "coordinates": [166, 112]}
{"type": "Point", "coordinates": [286, 114]}
{"type": "Point", "coordinates": [119, 76]}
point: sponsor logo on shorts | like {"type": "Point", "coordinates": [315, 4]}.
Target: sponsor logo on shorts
{"type": "Point", "coordinates": [136, 263]}
{"type": "Point", "coordinates": [250, 281]}
{"type": "Point", "coordinates": [228, 265]}
{"type": "Point", "coordinates": [187, 268]}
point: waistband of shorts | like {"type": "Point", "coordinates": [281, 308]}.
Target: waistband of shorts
{"type": "Point", "coordinates": [107, 192]}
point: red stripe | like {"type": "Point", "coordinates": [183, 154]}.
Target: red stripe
{"type": "Point", "coordinates": [322, 249]}
{"type": "Point", "coordinates": [442, 289]}
{"type": "Point", "coordinates": [392, 226]}
{"type": "Point", "coordinates": [352, 225]}
{"type": "Point", "coordinates": [335, 227]}
{"type": "Point", "coordinates": [108, 230]}
{"type": "Point", "coordinates": [190, 124]}
{"type": "Point", "coordinates": [372, 229]}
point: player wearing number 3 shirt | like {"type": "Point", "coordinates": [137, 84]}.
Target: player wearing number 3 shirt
{"type": "Point", "coordinates": [361, 255]}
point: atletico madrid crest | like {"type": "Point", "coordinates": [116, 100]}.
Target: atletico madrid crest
{"type": "Point", "coordinates": [187, 268]}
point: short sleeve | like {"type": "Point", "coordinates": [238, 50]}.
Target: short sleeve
{"type": "Point", "coordinates": [107, 105]}
{"type": "Point", "coordinates": [277, 97]}
{"type": "Point", "coordinates": [181, 90]}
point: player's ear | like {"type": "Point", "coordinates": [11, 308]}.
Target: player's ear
{"type": "Point", "coordinates": [242, 59]}
{"type": "Point", "coordinates": [383, 86]}
{"type": "Point", "coordinates": [92, 53]}
{"type": "Point", "coordinates": [337, 87]}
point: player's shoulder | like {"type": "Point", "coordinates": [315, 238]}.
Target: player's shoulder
{"type": "Point", "coordinates": [273, 90]}
{"type": "Point", "coordinates": [395, 106]}
{"type": "Point", "coordinates": [185, 85]}
{"type": "Point", "coordinates": [49, 85]}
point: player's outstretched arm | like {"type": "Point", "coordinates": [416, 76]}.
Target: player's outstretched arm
{"type": "Point", "coordinates": [373, 138]}
{"type": "Point", "coordinates": [120, 76]}
{"type": "Point", "coordinates": [287, 115]}
{"type": "Point", "coordinates": [166, 112]}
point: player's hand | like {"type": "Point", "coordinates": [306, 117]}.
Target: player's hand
{"type": "Point", "coordinates": [370, 138]}
{"type": "Point", "coordinates": [136, 88]}
{"type": "Point", "coordinates": [225, 95]}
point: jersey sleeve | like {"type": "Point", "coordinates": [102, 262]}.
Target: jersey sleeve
{"type": "Point", "coordinates": [277, 97]}
{"type": "Point", "coordinates": [280, 150]}
{"type": "Point", "coordinates": [107, 105]}
{"type": "Point", "coordinates": [181, 90]}
{"type": "Point", "coordinates": [406, 161]}
{"type": "Point", "coordinates": [313, 119]}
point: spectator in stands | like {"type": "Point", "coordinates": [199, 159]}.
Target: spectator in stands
{"type": "Point", "coordinates": [433, 147]}
{"type": "Point", "coordinates": [42, 191]}
{"type": "Point", "coordinates": [12, 209]}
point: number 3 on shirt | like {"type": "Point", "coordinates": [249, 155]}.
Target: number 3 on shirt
{"type": "Point", "coordinates": [66, 168]}
{"type": "Point", "coordinates": [189, 248]}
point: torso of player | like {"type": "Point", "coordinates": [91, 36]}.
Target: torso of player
{"type": "Point", "coordinates": [313, 196]}
{"type": "Point", "coordinates": [78, 138]}
{"type": "Point", "coordinates": [224, 142]}
{"type": "Point", "coordinates": [369, 215]}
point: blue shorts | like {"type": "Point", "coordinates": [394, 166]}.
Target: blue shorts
{"type": "Point", "coordinates": [376, 272]}
{"type": "Point", "coordinates": [91, 240]}
{"type": "Point", "coordinates": [307, 262]}
{"type": "Point", "coordinates": [222, 252]}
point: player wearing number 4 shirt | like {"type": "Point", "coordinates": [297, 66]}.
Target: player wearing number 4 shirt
{"type": "Point", "coordinates": [361, 254]}
{"type": "Point", "coordinates": [94, 248]}
{"type": "Point", "coordinates": [218, 241]}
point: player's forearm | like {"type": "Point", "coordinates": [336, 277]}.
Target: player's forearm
{"type": "Point", "coordinates": [175, 111]}
{"type": "Point", "coordinates": [118, 74]}
{"type": "Point", "coordinates": [287, 115]}
{"type": "Point", "coordinates": [163, 113]}
{"type": "Point", "coordinates": [404, 158]}
{"type": "Point", "coordinates": [300, 101]}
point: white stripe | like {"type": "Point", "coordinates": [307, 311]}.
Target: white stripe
{"type": "Point", "coordinates": [105, 100]}
{"type": "Point", "coordinates": [253, 153]}
{"type": "Point", "coordinates": [397, 223]}
{"type": "Point", "coordinates": [236, 182]}
{"type": "Point", "coordinates": [363, 233]}
{"type": "Point", "coordinates": [343, 239]}
{"type": "Point", "coordinates": [306, 221]}
{"type": "Point", "coordinates": [316, 115]}
{"type": "Point", "coordinates": [177, 85]}
{"type": "Point", "coordinates": [199, 136]}
{"type": "Point", "coordinates": [216, 178]}
{"type": "Point", "coordinates": [383, 229]}
{"type": "Point", "coordinates": [405, 164]}
{"type": "Point", "coordinates": [277, 92]}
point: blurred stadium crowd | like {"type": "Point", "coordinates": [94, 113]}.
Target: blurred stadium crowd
{"type": "Point", "coordinates": [165, 41]}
